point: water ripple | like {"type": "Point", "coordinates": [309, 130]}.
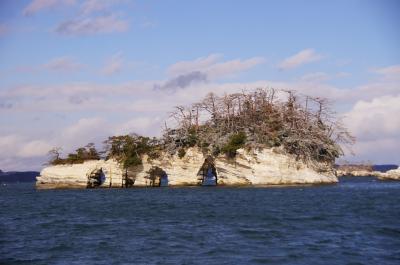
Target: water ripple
{"type": "Point", "coordinates": [355, 222]}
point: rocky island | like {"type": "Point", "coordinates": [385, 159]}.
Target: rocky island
{"type": "Point", "coordinates": [264, 137]}
{"type": "Point", "coordinates": [362, 170]}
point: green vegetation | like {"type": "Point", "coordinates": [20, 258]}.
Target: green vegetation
{"type": "Point", "coordinates": [128, 149]}
{"type": "Point", "coordinates": [236, 141]}
{"type": "Point", "coordinates": [302, 126]}
{"type": "Point", "coordinates": [154, 175]}
{"type": "Point", "coordinates": [181, 153]}
{"type": "Point", "coordinates": [192, 138]}
{"type": "Point", "coordinates": [81, 155]}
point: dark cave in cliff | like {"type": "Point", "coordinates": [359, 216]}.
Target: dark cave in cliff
{"type": "Point", "coordinates": [208, 173]}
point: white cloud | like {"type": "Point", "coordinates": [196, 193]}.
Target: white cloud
{"type": "Point", "coordinates": [378, 151]}
{"type": "Point", "coordinates": [21, 152]}
{"type": "Point", "coordinates": [63, 64]}
{"type": "Point", "coordinates": [378, 118]}
{"type": "Point", "coordinates": [315, 77]}
{"type": "Point", "coordinates": [113, 64]}
{"type": "Point", "coordinates": [85, 25]}
{"type": "Point", "coordinates": [232, 67]}
{"type": "Point", "coordinates": [15, 147]}
{"type": "Point", "coordinates": [35, 148]}
{"type": "Point", "coordinates": [389, 72]}
{"type": "Point", "coordinates": [8, 143]}
{"type": "Point", "coordinates": [149, 126]}
{"type": "Point", "coordinates": [38, 5]}
{"type": "Point", "coordinates": [83, 131]}
{"type": "Point", "coordinates": [303, 57]}
{"type": "Point", "coordinates": [320, 77]}
{"type": "Point", "coordinates": [376, 125]}
{"type": "Point", "coordinates": [21, 164]}
{"type": "Point", "coordinates": [195, 65]}
{"type": "Point", "coordinates": [140, 95]}
{"type": "Point", "coordinates": [137, 107]}
{"type": "Point", "coordinates": [213, 66]}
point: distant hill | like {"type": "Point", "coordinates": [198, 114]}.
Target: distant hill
{"type": "Point", "coordinates": [384, 168]}
{"type": "Point", "coordinates": [14, 176]}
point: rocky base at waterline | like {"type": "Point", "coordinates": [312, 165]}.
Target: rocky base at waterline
{"type": "Point", "coordinates": [358, 173]}
{"type": "Point", "coordinates": [393, 174]}
{"type": "Point", "coordinates": [264, 167]}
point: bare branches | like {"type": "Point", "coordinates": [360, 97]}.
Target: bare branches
{"type": "Point", "coordinates": [302, 125]}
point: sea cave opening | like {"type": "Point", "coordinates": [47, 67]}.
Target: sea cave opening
{"type": "Point", "coordinates": [96, 178]}
{"type": "Point", "coordinates": [208, 173]}
{"type": "Point", "coordinates": [157, 177]}
{"type": "Point", "coordinates": [128, 179]}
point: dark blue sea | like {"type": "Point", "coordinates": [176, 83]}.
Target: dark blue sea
{"type": "Point", "coordinates": [354, 222]}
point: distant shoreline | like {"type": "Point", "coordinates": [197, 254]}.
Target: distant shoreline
{"type": "Point", "coordinates": [18, 176]}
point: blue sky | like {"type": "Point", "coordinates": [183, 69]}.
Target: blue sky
{"type": "Point", "coordinates": [74, 71]}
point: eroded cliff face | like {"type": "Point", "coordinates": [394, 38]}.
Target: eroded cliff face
{"type": "Point", "coordinates": [264, 167]}
{"type": "Point", "coordinates": [76, 175]}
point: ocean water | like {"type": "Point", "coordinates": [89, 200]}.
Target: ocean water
{"type": "Point", "coordinates": [354, 222]}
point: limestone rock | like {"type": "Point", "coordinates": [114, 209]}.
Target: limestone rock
{"type": "Point", "coordinates": [76, 175]}
{"type": "Point", "coordinates": [359, 173]}
{"type": "Point", "coordinates": [263, 167]}
{"type": "Point", "coordinates": [393, 174]}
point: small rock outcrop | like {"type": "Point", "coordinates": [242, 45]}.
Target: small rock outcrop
{"type": "Point", "coordinates": [393, 174]}
{"type": "Point", "coordinates": [359, 173]}
{"type": "Point", "coordinates": [263, 167]}
{"type": "Point", "coordinates": [78, 175]}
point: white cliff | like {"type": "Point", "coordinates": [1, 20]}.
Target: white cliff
{"type": "Point", "coordinates": [76, 175]}
{"type": "Point", "coordinates": [264, 167]}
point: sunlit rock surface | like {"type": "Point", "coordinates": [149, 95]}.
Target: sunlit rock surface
{"type": "Point", "coordinates": [393, 174]}
{"type": "Point", "coordinates": [264, 167]}
{"type": "Point", "coordinates": [359, 173]}
{"type": "Point", "coordinates": [76, 176]}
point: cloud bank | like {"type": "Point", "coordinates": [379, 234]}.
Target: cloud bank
{"type": "Point", "coordinates": [100, 110]}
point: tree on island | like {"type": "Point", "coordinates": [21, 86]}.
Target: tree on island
{"type": "Point", "coordinates": [82, 154]}
{"type": "Point", "coordinates": [302, 126]}
{"type": "Point", "coordinates": [128, 149]}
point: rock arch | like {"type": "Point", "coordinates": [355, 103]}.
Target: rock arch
{"type": "Point", "coordinates": [157, 177]}
{"type": "Point", "coordinates": [207, 174]}
{"type": "Point", "coordinates": [128, 179]}
{"type": "Point", "coordinates": [96, 178]}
